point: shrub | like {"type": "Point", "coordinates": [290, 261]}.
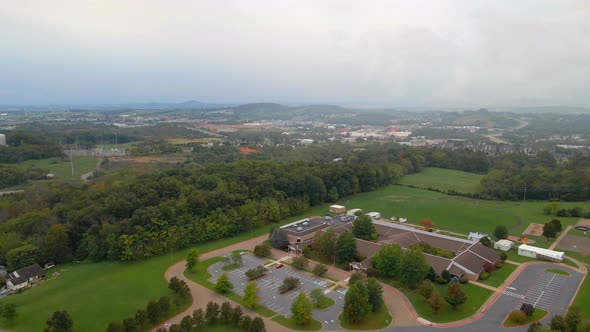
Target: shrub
{"type": "Point", "coordinates": [446, 275]}
{"type": "Point", "coordinates": [307, 252]}
{"type": "Point", "coordinates": [517, 316]}
{"type": "Point", "coordinates": [489, 267]}
{"type": "Point", "coordinates": [256, 272]}
{"type": "Point", "coordinates": [484, 276]}
{"type": "Point", "coordinates": [289, 283]}
{"type": "Point", "coordinates": [300, 263]}
{"type": "Point", "coordinates": [372, 272]}
{"type": "Point", "coordinates": [499, 265]}
{"type": "Point", "coordinates": [463, 279]}
{"type": "Point", "coordinates": [320, 270]}
{"type": "Point", "coordinates": [503, 256]}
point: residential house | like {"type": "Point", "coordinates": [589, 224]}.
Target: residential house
{"type": "Point", "coordinates": [24, 277]}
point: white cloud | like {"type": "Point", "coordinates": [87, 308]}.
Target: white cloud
{"type": "Point", "coordinates": [437, 53]}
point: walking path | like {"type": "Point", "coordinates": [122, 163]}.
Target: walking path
{"type": "Point", "coordinates": [561, 236]}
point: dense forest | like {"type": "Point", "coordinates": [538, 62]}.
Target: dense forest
{"type": "Point", "coordinates": [138, 216]}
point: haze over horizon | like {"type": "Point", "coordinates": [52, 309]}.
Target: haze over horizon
{"type": "Point", "coordinates": [377, 53]}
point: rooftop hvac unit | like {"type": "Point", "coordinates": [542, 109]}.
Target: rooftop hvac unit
{"type": "Point", "coordinates": [299, 229]}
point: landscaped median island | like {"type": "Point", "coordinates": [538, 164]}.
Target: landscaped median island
{"type": "Point", "coordinates": [475, 296]}
{"type": "Point", "coordinates": [520, 318]}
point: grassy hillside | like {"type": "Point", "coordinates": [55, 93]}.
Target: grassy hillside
{"type": "Point", "coordinates": [455, 213]}
{"type": "Point", "coordinates": [61, 167]}
{"type": "Point", "coordinates": [444, 179]}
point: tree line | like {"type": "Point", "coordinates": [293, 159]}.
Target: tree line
{"type": "Point", "coordinates": [133, 216]}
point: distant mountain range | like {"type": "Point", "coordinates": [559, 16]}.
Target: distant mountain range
{"type": "Point", "coordinates": [189, 104]}
{"type": "Point", "coordinates": [260, 108]}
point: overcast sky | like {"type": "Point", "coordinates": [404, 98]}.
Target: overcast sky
{"type": "Point", "coordinates": [365, 53]}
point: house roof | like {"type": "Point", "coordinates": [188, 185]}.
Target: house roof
{"type": "Point", "coordinates": [485, 252]}
{"type": "Point", "coordinates": [366, 248]}
{"type": "Point", "coordinates": [456, 271]}
{"type": "Point", "coordinates": [471, 262]}
{"type": "Point", "coordinates": [22, 275]}
{"type": "Point", "coordinates": [438, 263]}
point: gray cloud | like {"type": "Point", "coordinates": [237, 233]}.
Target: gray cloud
{"type": "Point", "coordinates": [394, 53]}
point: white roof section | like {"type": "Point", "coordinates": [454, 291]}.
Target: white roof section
{"type": "Point", "coordinates": [542, 251]}
{"type": "Point", "coordinates": [337, 206]}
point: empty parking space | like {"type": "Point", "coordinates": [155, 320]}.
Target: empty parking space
{"type": "Point", "coordinates": [545, 290]}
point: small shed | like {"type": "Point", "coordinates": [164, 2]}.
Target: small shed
{"type": "Point", "coordinates": [540, 253]}
{"type": "Point", "coordinates": [337, 209]}
{"type": "Point", "coordinates": [503, 245]}
{"type": "Point", "coordinates": [374, 215]}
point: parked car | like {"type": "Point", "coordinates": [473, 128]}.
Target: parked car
{"type": "Point", "coordinates": [279, 266]}
{"type": "Point", "coordinates": [4, 291]}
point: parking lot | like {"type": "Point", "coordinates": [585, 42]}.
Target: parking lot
{"type": "Point", "coordinates": [268, 285]}
{"type": "Point", "coordinates": [544, 291]}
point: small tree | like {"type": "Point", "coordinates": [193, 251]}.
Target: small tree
{"type": "Point", "coordinates": [412, 268]}
{"type": "Point", "coordinates": [251, 295]}
{"type": "Point", "coordinates": [263, 249]}
{"type": "Point", "coordinates": [301, 309]}
{"type": "Point", "coordinates": [300, 263]}
{"type": "Point", "coordinates": [485, 241]}
{"type": "Point", "coordinates": [558, 323]}
{"type": "Point", "coordinates": [186, 323]}
{"type": "Point", "coordinates": [225, 312]}
{"type": "Point", "coordinates": [455, 296]}
{"type": "Point", "coordinates": [153, 312]}
{"type": "Point", "coordinates": [356, 303]}
{"type": "Point", "coordinates": [346, 248]}
{"type": "Point", "coordinates": [164, 303]}
{"type": "Point", "coordinates": [236, 258]}
{"type": "Point", "coordinates": [212, 312]}
{"type": "Point", "coordinates": [375, 293]}
{"type": "Point", "coordinates": [503, 256]}
{"type": "Point", "coordinates": [60, 321]}
{"type": "Point", "coordinates": [320, 269]}
{"type": "Point", "coordinates": [289, 283]}
{"type": "Point", "coordinates": [356, 277]}
{"type": "Point", "coordinates": [573, 319]}
{"type": "Point", "coordinates": [9, 312]}
{"type": "Point", "coordinates": [192, 260]}
{"type": "Point", "coordinates": [237, 315]}
{"type": "Point", "coordinates": [435, 302]}
{"type": "Point", "coordinates": [536, 327]}
{"type": "Point", "coordinates": [246, 323]}
{"type": "Point", "coordinates": [363, 228]}
{"type": "Point", "coordinates": [500, 232]}
{"type": "Point", "coordinates": [425, 289]}
{"type": "Point", "coordinates": [446, 276]}
{"type": "Point", "coordinates": [223, 284]}
{"type": "Point", "coordinates": [527, 309]}
{"type": "Point", "coordinates": [279, 238]}
{"type": "Point", "coordinates": [426, 223]}
{"type": "Point", "coordinates": [387, 260]}
{"type": "Point", "coordinates": [198, 317]}
{"type": "Point", "coordinates": [257, 325]}
{"type": "Point", "coordinates": [118, 327]}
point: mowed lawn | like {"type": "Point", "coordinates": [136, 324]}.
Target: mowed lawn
{"type": "Point", "coordinates": [96, 294]}
{"type": "Point", "coordinates": [444, 179]}
{"type": "Point", "coordinates": [455, 213]}
{"type": "Point", "coordinates": [62, 168]}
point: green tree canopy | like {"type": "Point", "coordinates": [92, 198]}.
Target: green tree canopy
{"type": "Point", "coordinates": [346, 248]}
{"type": "Point", "coordinates": [301, 309]}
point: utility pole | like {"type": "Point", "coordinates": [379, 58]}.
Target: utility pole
{"type": "Point", "coordinates": [524, 195]}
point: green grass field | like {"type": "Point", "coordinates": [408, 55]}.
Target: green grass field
{"type": "Point", "coordinates": [314, 325]}
{"type": "Point", "coordinates": [500, 275]}
{"type": "Point", "coordinates": [61, 167]}
{"type": "Point", "coordinates": [455, 213]}
{"type": "Point", "coordinates": [444, 179]}
{"type": "Point", "coordinates": [375, 321]}
{"type": "Point", "coordinates": [582, 301]}
{"type": "Point", "coordinates": [476, 297]}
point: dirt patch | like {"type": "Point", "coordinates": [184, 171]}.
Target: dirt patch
{"type": "Point", "coordinates": [153, 159]}
{"type": "Point", "coordinates": [575, 243]}
{"type": "Point", "coordinates": [246, 150]}
{"type": "Point", "coordinates": [534, 230]}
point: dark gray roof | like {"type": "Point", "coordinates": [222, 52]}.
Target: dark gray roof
{"type": "Point", "coordinates": [438, 263]}
{"type": "Point", "coordinates": [21, 275]}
